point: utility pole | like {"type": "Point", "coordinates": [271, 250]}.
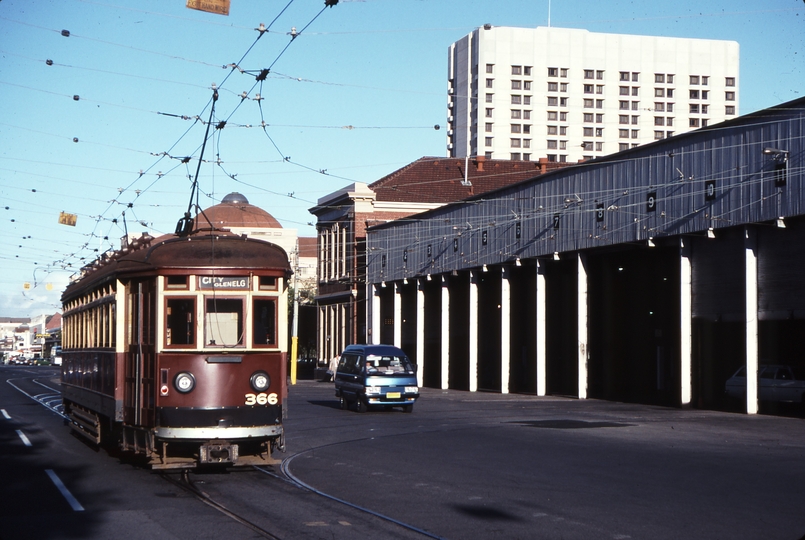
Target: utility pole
{"type": "Point", "coordinates": [295, 325]}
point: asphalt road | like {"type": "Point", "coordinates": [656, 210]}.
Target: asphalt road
{"type": "Point", "coordinates": [460, 466]}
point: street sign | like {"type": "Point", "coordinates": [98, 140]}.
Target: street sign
{"type": "Point", "coordinates": [221, 7]}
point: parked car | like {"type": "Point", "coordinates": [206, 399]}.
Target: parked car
{"type": "Point", "coordinates": [56, 356]}
{"type": "Point", "coordinates": [775, 383]}
{"type": "Point", "coordinates": [376, 375]}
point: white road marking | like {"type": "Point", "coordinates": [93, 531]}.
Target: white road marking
{"type": "Point", "coordinates": [74, 504]}
{"type": "Point", "coordinates": [5, 414]}
{"type": "Point", "coordinates": [25, 439]}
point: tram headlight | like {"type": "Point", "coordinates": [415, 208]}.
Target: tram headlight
{"type": "Point", "coordinates": [260, 381]}
{"type": "Point", "coordinates": [184, 382]}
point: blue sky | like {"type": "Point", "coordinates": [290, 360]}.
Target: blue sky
{"type": "Point", "coordinates": [354, 97]}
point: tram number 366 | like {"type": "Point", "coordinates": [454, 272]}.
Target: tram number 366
{"type": "Point", "coordinates": [262, 399]}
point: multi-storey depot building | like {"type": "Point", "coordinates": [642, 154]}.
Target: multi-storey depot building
{"type": "Point", "coordinates": [567, 94]}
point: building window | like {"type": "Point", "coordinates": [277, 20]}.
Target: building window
{"type": "Point", "coordinates": [588, 132]}
{"type": "Point", "coordinates": [489, 83]}
{"type": "Point", "coordinates": [563, 87]}
{"type": "Point", "coordinates": [599, 74]}
{"type": "Point", "coordinates": [516, 85]}
{"type": "Point", "coordinates": [729, 96]}
{"type": "Point", "coordinates": [694, 122]}
{"type": "Point", "coordinates": [588, 117]}
{"type": "Point", "coordinates": [635, 133]}
{"type": "Point", "coordinates": [599, 103]}
{"type": "Point", "coordinates": [599, 146]}
{"type": "Point", "coordinates": [623, 105]}
{"type": "Point", "coordinates": [527, 115]}
{"type": "Point", "coordinates": [659, 134]}
{"type": "Point", "coordinates": [588, 88]}
{"type": "Point", "coordinates": [635, 105]}
{"type": "Point", "coordinates": [515, 156]}
{"type": "Point", "coordinates": [623, 119]}
{"type": "Point", "coordinates": [551, 158]}
{"type": "Point", "coordinates": [562, 130]}
{"type": "Point", "coordinates": [489, 112]}
{"type": "Point", "coordinates": [669, 121]}
{"type": "Point", "coordinates": [527, 100]}
{"type": "Point", "coordinates": [669, 133]}
{"type": "Point", "coordinates": [516, 128]}
{"type": "Point", "coordinates": [553, 87]}
{"type": "Point", "coordinates": [515, 143]}
{"type": "Point", "coordinates": [659, 92]}
{"type": "Point", "coordinates": [694, 108]}
{"type": "Point", "coordinates": [488, 127]}
{"type": "Point", "coordinates": [729, 81]}
{"type": "Point", "coordinates": [705, 121]}
{"type": "Point", "coordinates": [588, 103]}
{"type": "Point", "coordinates": [623, 90]}
{"type": "Point", "coordinates": [552, 145]}
{"type": "Point", "coordinates": [705, 94]}
{"type": "Point", "coordinates": [599, 132]}
{"type": "Point", "coordinates": [730, 109]}
{"type": "Point", "coordinates": [553, 72]}
{"type": "Point", "coordinates": [635, 90]}
{"type": "Point", "coordinates": [551, 115]}
{"type": "Point", "coordinates": [562, 145]}
{"type": "Point", "coordinates": [705, 80]}
{"type": "Point", "coordinates": [526, 157]}
{"type": "Point", "coordinates": [527, 70]}
{"type": "Point", "coordinates": [635, 119]}
{"type": "Point", "coordinates": [635, 77]}
{"type": "Point", "coordinates": [624, 75]}
{"type": "Point", "coordinates": [489, 98]}
{"type": "Point", "coordinates": [623, 146]}
{"type": "Point", "coordinates": [563, 102]}
{"type": "Point", "coordinates": [669, 79]}
{"type": "Point", "coordinates": [623, 133]}
{"type": "Point", "coordinates": [589, 73]}
{"type": "Point", "coordinates": [526, 85]}
{"type": "Point", "coordinates": [488, 141]}
{"type": "Point", "coordinates": [670, 107]}
{"type": "Point", "coordinates": [517, 114]}
{"type": "Point", "coordinates": [599, 88]}
{"type": "Point", "coordinates": [659, 78]}
{"type": "Point", "coordinates": [517, 100]}
{"type": "Point", "coordinates": [694, 94]}
{"type": "Point", "coordinates": [563, 72]}
{"type": "Point", "coordinates": [516, 70]}
{"type": "Point", "coordinates": [563, 116]}
{"type": "Point", "coordinates": [526, 128]}
{"type": "Point", "coordinates": [659, 121]}
{"type": "Point", "coordinates": [488, 155]}
{"type": "Point", "coordinates": [659, 107]}
{"type": "Point", "coordinates": [599, 118]}
{"type": "Point", "coordinates": [694, 79]}
{"type": "Point", "coordinates": [669, 93]}
{"type": "Point", "coordinates": [551, 130]}
{"type": "Point", "coordinates": [489, 68]}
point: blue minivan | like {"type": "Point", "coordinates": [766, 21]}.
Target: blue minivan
{"type": "Point", "coordinates": [376, 375]}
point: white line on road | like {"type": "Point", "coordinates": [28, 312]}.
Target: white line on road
{"type": "Point", "coordinates": [76, 506]}
{"type": "Point", "coordinates": [5, 414]}
{"type": "Point", "coordinates": [25, 439]}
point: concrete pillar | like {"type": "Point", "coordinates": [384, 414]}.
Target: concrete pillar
{"type": "Point", "coordinates": [420, 332]}
{"type": "Point", "coordinates": [582, 324]}
{"type": "Point", "coordinates": [750, 249]}
{"type": "Point", "coordinates": [398, 315]}
{"type": "Point", "coordinates": [685, 322]}
{"type": "Point", "coordinates": [376, 315]}
{"type": "Point", "coordinates": [445, 335]}
{"type": "Point", "coordinates": [473, 331]}
{"type": "Point", "coordinates": [505, 329]}
{"type": "Point", "coordinates": [540, 330]}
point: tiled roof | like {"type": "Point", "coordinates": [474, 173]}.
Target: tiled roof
{"type": "Point", "coordinates": [439, 180]}
{"type": "Point", "coordinates": [307, 246]}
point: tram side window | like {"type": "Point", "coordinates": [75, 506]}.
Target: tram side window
{"type": "Point", "coordinates": [180, 319]}
{"type": "Point", "coordinates": [264, 323]}
{"type": "Point", "coordinates": [223, 322]}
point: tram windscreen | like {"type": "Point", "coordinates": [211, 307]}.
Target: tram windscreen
{"type": "Point", "coordinates": [264, 325]}
{"type": "Point", "coordinates": [180, 321]}
{"type": "Point", "coordinates": [223, 322]}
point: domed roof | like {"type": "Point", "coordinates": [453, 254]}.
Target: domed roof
{"type": "Point", "coordinates": [234, 210]}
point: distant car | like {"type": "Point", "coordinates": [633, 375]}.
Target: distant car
{"type": "Point", "coordinates": [56, 356]}
{"type": "Point", "coordinates": [376, 375]}
{"type": "Point", "coordinates": [775, 383]}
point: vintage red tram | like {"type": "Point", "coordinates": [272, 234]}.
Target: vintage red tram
{"type": "Point", "coordinates": [175, 349]}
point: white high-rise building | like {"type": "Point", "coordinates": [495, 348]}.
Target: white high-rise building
{"type": "Point", "coordinates": [567, 94]}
